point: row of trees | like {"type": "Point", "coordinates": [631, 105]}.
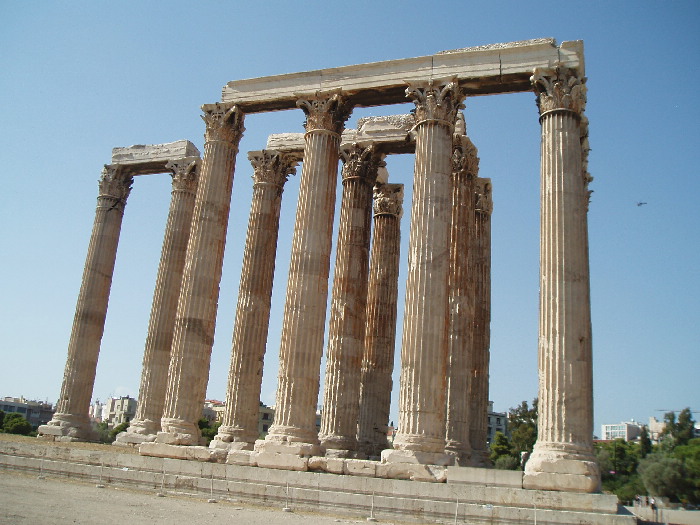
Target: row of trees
{"type": "Point", "coordinates": [670, 469]}
{"type": "Point", "coordinates": [13, 423]}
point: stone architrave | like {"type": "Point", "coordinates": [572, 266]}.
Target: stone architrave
{"type": "Point", "coordinates": [421, 435]}
{"type": "Point", "coordinates": [465, 166]}
{"type": "Point", "coordinates": [346, 331]}
{"type": "Point", "coordinates": [156, 357]}
{"type": "Point", "coordinates": [197, 305]}
{"type": "Point", "coordinates": [239, 428]}
{"type": "Point", "coordinates": [301, 346]}
{"type": "Point", "coordinates": [480, 278]}
{"type": "Point", "coordinates": [563, 457]}
{"type": "Point", "coordinates": [70, 422]}
{"type": "Point", "coordinates": [380, 334]}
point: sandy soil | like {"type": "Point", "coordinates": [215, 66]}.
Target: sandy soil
{"type": "Point", "coordinates": [25, 499]}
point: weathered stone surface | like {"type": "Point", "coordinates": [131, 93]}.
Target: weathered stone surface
{"type": "Point", "coordinates": [282, 461]}
{"type": "Point", "coordinates": [487, 477]}
{"type": "Point", "coordinates": [417, 457]}
{"type": "Point", "coordinates": [197, 453]}
{"type": "Point", "coordinates": [502, 69]}
{"type": "Point", "coordinates": [151, 153]}
{"type": "Point", "coordinates": [241, 457]}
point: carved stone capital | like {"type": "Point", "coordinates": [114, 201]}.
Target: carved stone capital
{"type": "Point", "coordinates": [465, 160]}
{"type": "Point", "coordinates": [436, 100]}
{"type": "Point", "coordinates": [115, 185]}
{"type": "Point", "coordinates": [360, 162]}
{"type": "Point", "coordinates": [388, 200]}
{"type": "Point", "coordinates": [559, 88]}
{"type": "Point", "coordinates": [325, 111]}
{"type": "Point", "coordinates": [272, 167]}
{"type": "Point", "coordinates": [482, 190]}
{"type": "Point", "coordinates": [224, 123]}
{"type": "Point", "coordinates": [185, 173]}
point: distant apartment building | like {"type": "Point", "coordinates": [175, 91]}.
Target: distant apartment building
{"type": "Point", "coordinates": [115, 411]}
{"type": "Point", "coordinates": [627, 430]}
{"type": "Point", "coordinates": [497, 422]}
{"type": "Point", "coordinates": [36, 412]}
{"type": "Point", "coordinates": [213, 411]}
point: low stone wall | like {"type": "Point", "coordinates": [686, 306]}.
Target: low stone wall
{"type": "Point", "coordinates": [340, 494]}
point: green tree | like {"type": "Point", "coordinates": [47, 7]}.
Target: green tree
{"type": "Point", "coordinates": [102, 430]}
{"type": "Point", "coordinates": [2, 418]}
{"type": "Point", "coordinates": [116, 430]}
{"type": "Point", "coordinates": [645, 446]}
{"type": "Point", "coordinates": [208, 430]}
{"type": "Point", "coordinates": [500, 447]}
{"type": "Point", "coordinates": [689, 455]}
{"type": "Point", "coordinates": [522, 423]}
{"type": "Point", "coordinates": [663, 475]}
{"type": "Point", "coordinates": [16, 424]}
{"type": "Point", "coordinates": [679, 430]}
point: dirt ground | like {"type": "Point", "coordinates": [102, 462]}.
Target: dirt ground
{"type": "Point", "coordinates": [27, 500]}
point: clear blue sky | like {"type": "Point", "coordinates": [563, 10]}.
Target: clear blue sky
{"type": "Point", "coordinates": [79, 78]}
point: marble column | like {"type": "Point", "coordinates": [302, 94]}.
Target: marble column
{"type": "Point", "coordinates": [304, 318]}
{"type": "Point", "coordinates": [480, 277]}
{"type": "Point", "coordinates": [421, 434]}
{"type": "Point", "coordinates": [156, 356]}
{"type": "Point", "coordinates": [563, 458]}
{"type": "Point", "coordinates": [239, 428]}
{"type": "Point", "coordinates": [70, 422]}
{"type": "Point", "coordinates": [465, 165]}
{"type": "Point", "coordinates": [197, 305]}
{"type": "Point", "coordinates": [346, 330]}
{"type": "Point", "coordinates": [380, 333]}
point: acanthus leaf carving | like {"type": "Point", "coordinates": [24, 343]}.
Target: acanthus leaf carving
{"type": "Point", "coordinates": [465, 160]}
{"type": "Point", "coordinates": [185, 173]}
{"type": "Point", "coordinates": [325, 111]}
{"type": "Point", "coordinates": [115, 186]}
{"type": "Point", "coordinates": [272, 167]}
{"type": "Point", "coordinates": [224, 123]}
{"type": "Point", "coordinates": [360, 162]}
{"type": "Point", "coordinates": [436, 100]}
{"type": "Point", "coordinates": [482, 193]}
{"type": "Point", "coordinates": [559, 88]}
{"type": "Point", "coordinates": [388, 199]}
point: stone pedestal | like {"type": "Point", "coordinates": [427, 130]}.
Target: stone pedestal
{"type": "Point", "coordinates": [380, 333]}
{"type": "Point", "coordinates": [239, 428]}
{"type": "Point", "coordinates": [346, 329]}
{"type": "Point", "coordinates": [563, 457]}
{"type": "Point", "coordinates": [461, 298]}
{"type": "Point", "coordinates": [196, 310]}
{"type": "Point", "coordinates": [424, 347]}
{"type": "Point", "coordinates": [156, 357]}
{"type": "Point", "coordinates": [480, 278]}
{"type": "Point", "coordinates": [307, 289]}
{"type": "Point", "coordinates": [70, 422]}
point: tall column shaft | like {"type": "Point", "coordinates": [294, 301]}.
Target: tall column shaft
{"type": "Point", "coordinates": [156, 357]}
{"type": "Point", "coordinates": [563, 456]}
{"type": "Point", "coordinates": [240, 424]}
{"type": "Point", "coordinates": [480, 270]}
{"type": "Point", "coordinates": [380, 333]}
{"type": "Point", "coordinates": [307, 289]}
{"type": "Point", "coordinates": [424, 346]}
{"type": "Point", "coordinates": [461, 300]}
{"type": "Point", "coordinates": [346, 329]}
{"type": "Point", "coordinates": [70, 421]}
{"type": "Point", "coordinates": [197, 305]}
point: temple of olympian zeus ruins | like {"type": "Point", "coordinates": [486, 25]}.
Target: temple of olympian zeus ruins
{"type": "Point", "coordinates": [443, 389]}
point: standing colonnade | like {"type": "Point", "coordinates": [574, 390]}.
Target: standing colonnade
{"type": "Point", "coordinates": [443, 387]}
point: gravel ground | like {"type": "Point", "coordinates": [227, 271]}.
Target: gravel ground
{"type": "Point", "coordinates": [25, 499]}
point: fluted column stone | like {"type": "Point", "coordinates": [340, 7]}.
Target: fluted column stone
{"type": "Point", "coordinates": [301, 344]}
{"type": "Point", "coordinates": [346, 331]}
{"type": "Point", "coordinates": [156, 356]}
{"type": "Point", "coordinates": [239, 428]}
{"type": "Point", "coordinates": [461, 298]}
{"type": "Point", "coordinates": [421, 434]}
{"type": "Point", "coordinates": [70, 422]}
{"type": "Point", "coordinates": [380, 333]}
{"type": "Point", "coordinates": [197, 305]}
{"type": "Point", "coordinates": [480, 277]}
{"type": "Point", "coordinates": [563, 458]}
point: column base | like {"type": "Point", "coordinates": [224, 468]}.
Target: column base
{"type": "Point", "coordinates": [233, 438]}
{"type": "Point", "coordinates": [553, 467]}
{"type": "Point", "coordinates": [418, 443]}
{"type": "Point", "coordinates": [68, 427]}
{"type": "Point", "coordinates": [178, 432]}
{"type": "Point", "coordinates": [285, 455]}
{"type": "Point", "coordinates": [338, 446]}
{"type": "Point", "coordinates": [416, 457]}
{"type": "Point", "coordinates": [480, 459]}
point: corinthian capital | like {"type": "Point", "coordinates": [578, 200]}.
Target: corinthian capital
{"type": "Point", "coordinates": [465, 160]}
{"type": "Point", "coordinates": [388, 199]}
{"type": "Point", "coordinates": [482, 190]}
{"type": "Point", "coordinates": [224, 123]}
{"type": "Point", "coordinates": [325, 111]}
{"type": "Point", "coordinates": [272, 167]}
{"type": "Point", "coordinates": [360, 162]}
{"type": "Point", "coordinates": [436, 101]}
{"type": "Point", "coordinates": [185, 173]}
{"type": "Point", "coordinates": [115, 185]}
{"type": "Point", "coordinates": [559, 88]}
